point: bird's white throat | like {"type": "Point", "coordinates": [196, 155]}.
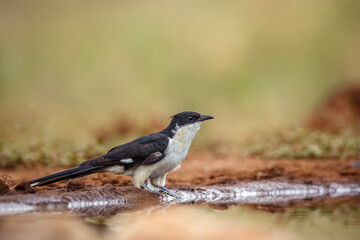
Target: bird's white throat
{"type": "Point", "coordinates": [183, 136]}
{"type": "Point", "coordinates": [186, 133]}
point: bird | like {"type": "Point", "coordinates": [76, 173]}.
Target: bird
{"type": "Point", "coordinates": [147, 159]}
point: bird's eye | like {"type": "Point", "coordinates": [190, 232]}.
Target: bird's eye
{"type": "Point", "coordinates": [191, 118]}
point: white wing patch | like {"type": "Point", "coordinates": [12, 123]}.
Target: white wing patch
{"type": "Point", "coordinates": [116, 169]}
{"type": "Point", "coordinates": [157, 154]}
{"type": "Point", "coordinates": [127, 160]}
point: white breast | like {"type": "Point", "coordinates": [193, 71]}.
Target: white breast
{"type": "Point", "coordinates": [177, 149]}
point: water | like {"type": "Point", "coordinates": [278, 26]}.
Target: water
{"type": "Point", "coordinates": [108, 200]}
{"type": "Point", "coordinates": [264, 209]}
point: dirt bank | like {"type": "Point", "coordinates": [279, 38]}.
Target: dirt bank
{"type": "Point", "coordinates": [339, 111]}
{"type": "Point", "coordinates": [206, 168]}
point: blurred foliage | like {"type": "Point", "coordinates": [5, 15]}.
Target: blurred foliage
{"type": "Point", "coordinates": [52, 153]}
{"type": "Point", "coordinates": [69, 69]}
{"type": "Point", "coordinates": [301, 143]}
{"type": "Point", "coordinates": [291, 144]}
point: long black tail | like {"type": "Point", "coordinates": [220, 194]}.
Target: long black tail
{"type": "Point", "coordinates": [65, 175]}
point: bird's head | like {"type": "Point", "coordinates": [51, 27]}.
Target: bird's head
{"type": "Point", "coordinates": [188, 118]}
{"type": "Point", "coordinates": [187, 122]}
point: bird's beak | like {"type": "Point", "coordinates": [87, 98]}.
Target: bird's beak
{"type": "Point", "coordinates": [205, 117]}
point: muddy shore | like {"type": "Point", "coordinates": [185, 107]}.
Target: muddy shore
{"type": "Point", "coordinates": [217, 180]}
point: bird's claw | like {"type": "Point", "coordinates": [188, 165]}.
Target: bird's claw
{"type": "Point", "coordinates": [167, 191]}
{"type": "Point", "coordinates": [163, 189]}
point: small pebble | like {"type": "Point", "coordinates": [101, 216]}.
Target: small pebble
{"type": "Point", "coordinates": [74, 185]}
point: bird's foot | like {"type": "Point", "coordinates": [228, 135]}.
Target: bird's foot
{"type": "Point", "coordinates": [167, 191]}
{"type": "Point", "coordinates": [150, 190]}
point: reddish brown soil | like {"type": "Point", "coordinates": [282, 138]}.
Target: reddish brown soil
{"type": "Point", "coordinates": [206, 168]}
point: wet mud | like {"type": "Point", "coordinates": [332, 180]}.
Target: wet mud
{"type": "Point", "coordinates": [205, 178]}
{"type": "Point", "coordinates": [106, 201]}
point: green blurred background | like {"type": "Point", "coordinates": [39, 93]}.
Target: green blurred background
{"type": "Point", "coordinates": [69, 69]}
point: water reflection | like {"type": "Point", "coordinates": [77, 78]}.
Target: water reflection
{"type": "Point", "coordinates": [323, 221]}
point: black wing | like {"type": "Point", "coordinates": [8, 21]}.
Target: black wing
{"type": "Point", "coordinates": [146, 150]}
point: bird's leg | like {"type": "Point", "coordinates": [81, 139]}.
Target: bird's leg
{"type": "Point", "coordinates": [150, 190]}
{"type": "Point", "coordinates": [159, 183]}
